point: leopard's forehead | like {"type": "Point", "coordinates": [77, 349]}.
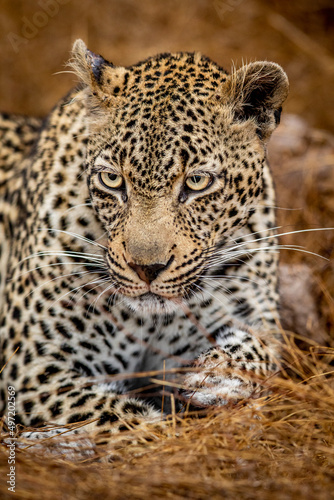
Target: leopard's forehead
{"type": "Point", "coordinates": [163, 75]}
{"type": "Point", "coordinates": [165, 118]}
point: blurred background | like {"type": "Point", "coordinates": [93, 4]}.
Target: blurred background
{"type": "Point", "coordinates": [36, 37]}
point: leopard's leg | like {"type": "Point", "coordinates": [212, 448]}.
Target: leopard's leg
{"type": "Point", "coordinates": [76, 416]}
{"type": "Point", "coordinates": [83, 405]}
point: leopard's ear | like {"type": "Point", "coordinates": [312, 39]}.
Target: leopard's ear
{"type": "Point", "coordinates": [87, 65]}
{"type": "Point", "coordinates": [103, 79]}
{"type": "Point", "coordinates": [258, 90]}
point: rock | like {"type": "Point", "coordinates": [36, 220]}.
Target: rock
{"type": "Point", "coordinates": [302, 162]}
{"type": "Point", "coordinates": [299, 313]}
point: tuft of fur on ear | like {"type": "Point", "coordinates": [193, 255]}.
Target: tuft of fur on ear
{"type": "Point", "coordinates": [87, 65]}
{"type": "Point", "coordinates": [258, 90]}
{"type": "Point", "coordinates": [102, 79]}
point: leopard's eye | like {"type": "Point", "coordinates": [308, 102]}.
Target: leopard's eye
{"type": "Point", "coordinates": [110, 180]}
{"type": "Point", "coordinates": [198, 182]}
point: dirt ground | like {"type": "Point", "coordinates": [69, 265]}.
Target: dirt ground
{"type": "Point", "coordinates": [280, 448]}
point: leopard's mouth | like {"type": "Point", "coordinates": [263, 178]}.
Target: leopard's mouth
{"type": "Point", "coordinates": [152, 303]}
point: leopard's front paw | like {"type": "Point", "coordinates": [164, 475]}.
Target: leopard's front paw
{"type": "Point", "coordinates": [216, 379]}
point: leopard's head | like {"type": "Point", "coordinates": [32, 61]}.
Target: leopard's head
{"type": "Point", "coordinates": [174, 164]}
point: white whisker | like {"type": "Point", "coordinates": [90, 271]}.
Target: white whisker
{"type": "Point", "coordinates": [93, 282]}
{"type": "Point", "coordinates": [63, 264]}
{"type": "Point", "coordinates": [94, 304]}
{"type": "Point", "coordinates": [212, 295]}
{"type": "Point", "coordinates": [75, 235]}
{"type": "Point", "coordinates": [77, 206]}
{"type": "Point", "coordinates": [64, 276]}
{"type": "Point", "coordinates": [46, 253]}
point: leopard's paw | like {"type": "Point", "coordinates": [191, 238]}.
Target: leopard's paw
{"type": "Point", "coordinates": [216, 380]}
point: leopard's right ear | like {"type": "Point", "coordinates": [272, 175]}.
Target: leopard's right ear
{"type": "Point", "coordinates": [102, 78]}
{"type": "Point", "coordinates": [257, 91]}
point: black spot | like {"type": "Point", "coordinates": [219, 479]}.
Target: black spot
{"type": "Point", "coordinates": [121, 360]}
{"type": "Point", "coordinates": [44, 396]}
{"type": "Point", "coordinates": [79, 324]}
{"type": "Point", "coordinates": [82, 221]}
{"type": "Point", "coordinates": [133, 408]}
{"type": "Point", "coordinates": [184, 157]}
{"type": "Point", "coordinates": [63, 330]}
{"type": "Point", "coordinates": [81, 401]}
{"type": "Point", "coordinates": [79, 417]}
{"type": "Point", "coordinates": [89, 346]}
{"type": "Point", "coordinates": [28, 406]}
{"type": "Point", "coordinates": [36, 422]}
{"type": "Point", "coordinates": [16, 314]}
{"type": "Point", "coordinates": [235, 348]}
{"type": "Point", "coordinates": [81, 368]}
{"type": "Point", "coordinates": [233, 212]}
{"type": "Point", "coordinates": [55, 409]}
{"type": "Point", "coordinates": [110, 369]}
{"type": "Point", "coordinates": [27, 358]}
{"type": "Point", "coordinates": [125, 315]}
{"type": "Point", "coordinates": [39, 348]}
{"type": "Point", "coordinates": [188, 128]}
{"type": "Point", "coordinates": [107, 417]}
{"type": "Point", "coordinates": [13, 372]}
{"type": "Point", "coordinates": [50, 370]}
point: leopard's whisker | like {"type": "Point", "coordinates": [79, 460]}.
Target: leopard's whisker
{"type": "Point", "coordinates": [211, 294]}
{"type": "Point", "coordinates": [100, 283]}
{"type": "Point", "coordinates": [224, 247]}
{"type": "Point", "coordinates": [213, 251]}
{"type": "Point", "coordinates": [275, 207]}
{"type": "Point", "coordinates": [112, 296]}
{"type": "Point", "coordinates": [78, 206]}
{"type": "Point", "coordinates": [94, 304]}
{"type": "Point", "coordinates": [232, 278]}
{"type": "Point", "coordinates": [64, 72]}
{"type": "Point", "coordinates": [63, 264]}
{"type": "Point", "coordinates": [74, 274]}
{"type": "Point", "coordinates": [278, 235]}
{"type": "Point", "coordinates": [75, 235]}
{"type": "Point", "coordinates": [93, 282]}
{"type": "Point", "coordinates": [90, 256]}
{"type": "Point", "coordinates": [220, 259]}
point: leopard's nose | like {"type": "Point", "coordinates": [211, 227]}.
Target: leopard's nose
{"type": "Point", "coordinates": [151, 272]}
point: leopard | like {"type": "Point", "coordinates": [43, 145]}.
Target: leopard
{"type": "Point", "coordinates": [138, 248]}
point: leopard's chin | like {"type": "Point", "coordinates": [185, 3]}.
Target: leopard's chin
{"type": "Point", "coordinates": [150, 303]}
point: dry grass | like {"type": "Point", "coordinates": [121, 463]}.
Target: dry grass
{"type": "Point", "coordinates": [278, 448]}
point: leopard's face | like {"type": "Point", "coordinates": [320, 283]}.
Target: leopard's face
{"type": "Point", "coordinates": [172, 173]}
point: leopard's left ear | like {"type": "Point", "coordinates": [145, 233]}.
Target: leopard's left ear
{"type": "Point", "coordinates": [87, 65]}
{"type": "Point", "coordinates": [102, 79]}
{"type": "Point", "coordinates": [258, 90]}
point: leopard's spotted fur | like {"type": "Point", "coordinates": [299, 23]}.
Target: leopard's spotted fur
{"type": "Point", "coordinates": [150, 273]}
